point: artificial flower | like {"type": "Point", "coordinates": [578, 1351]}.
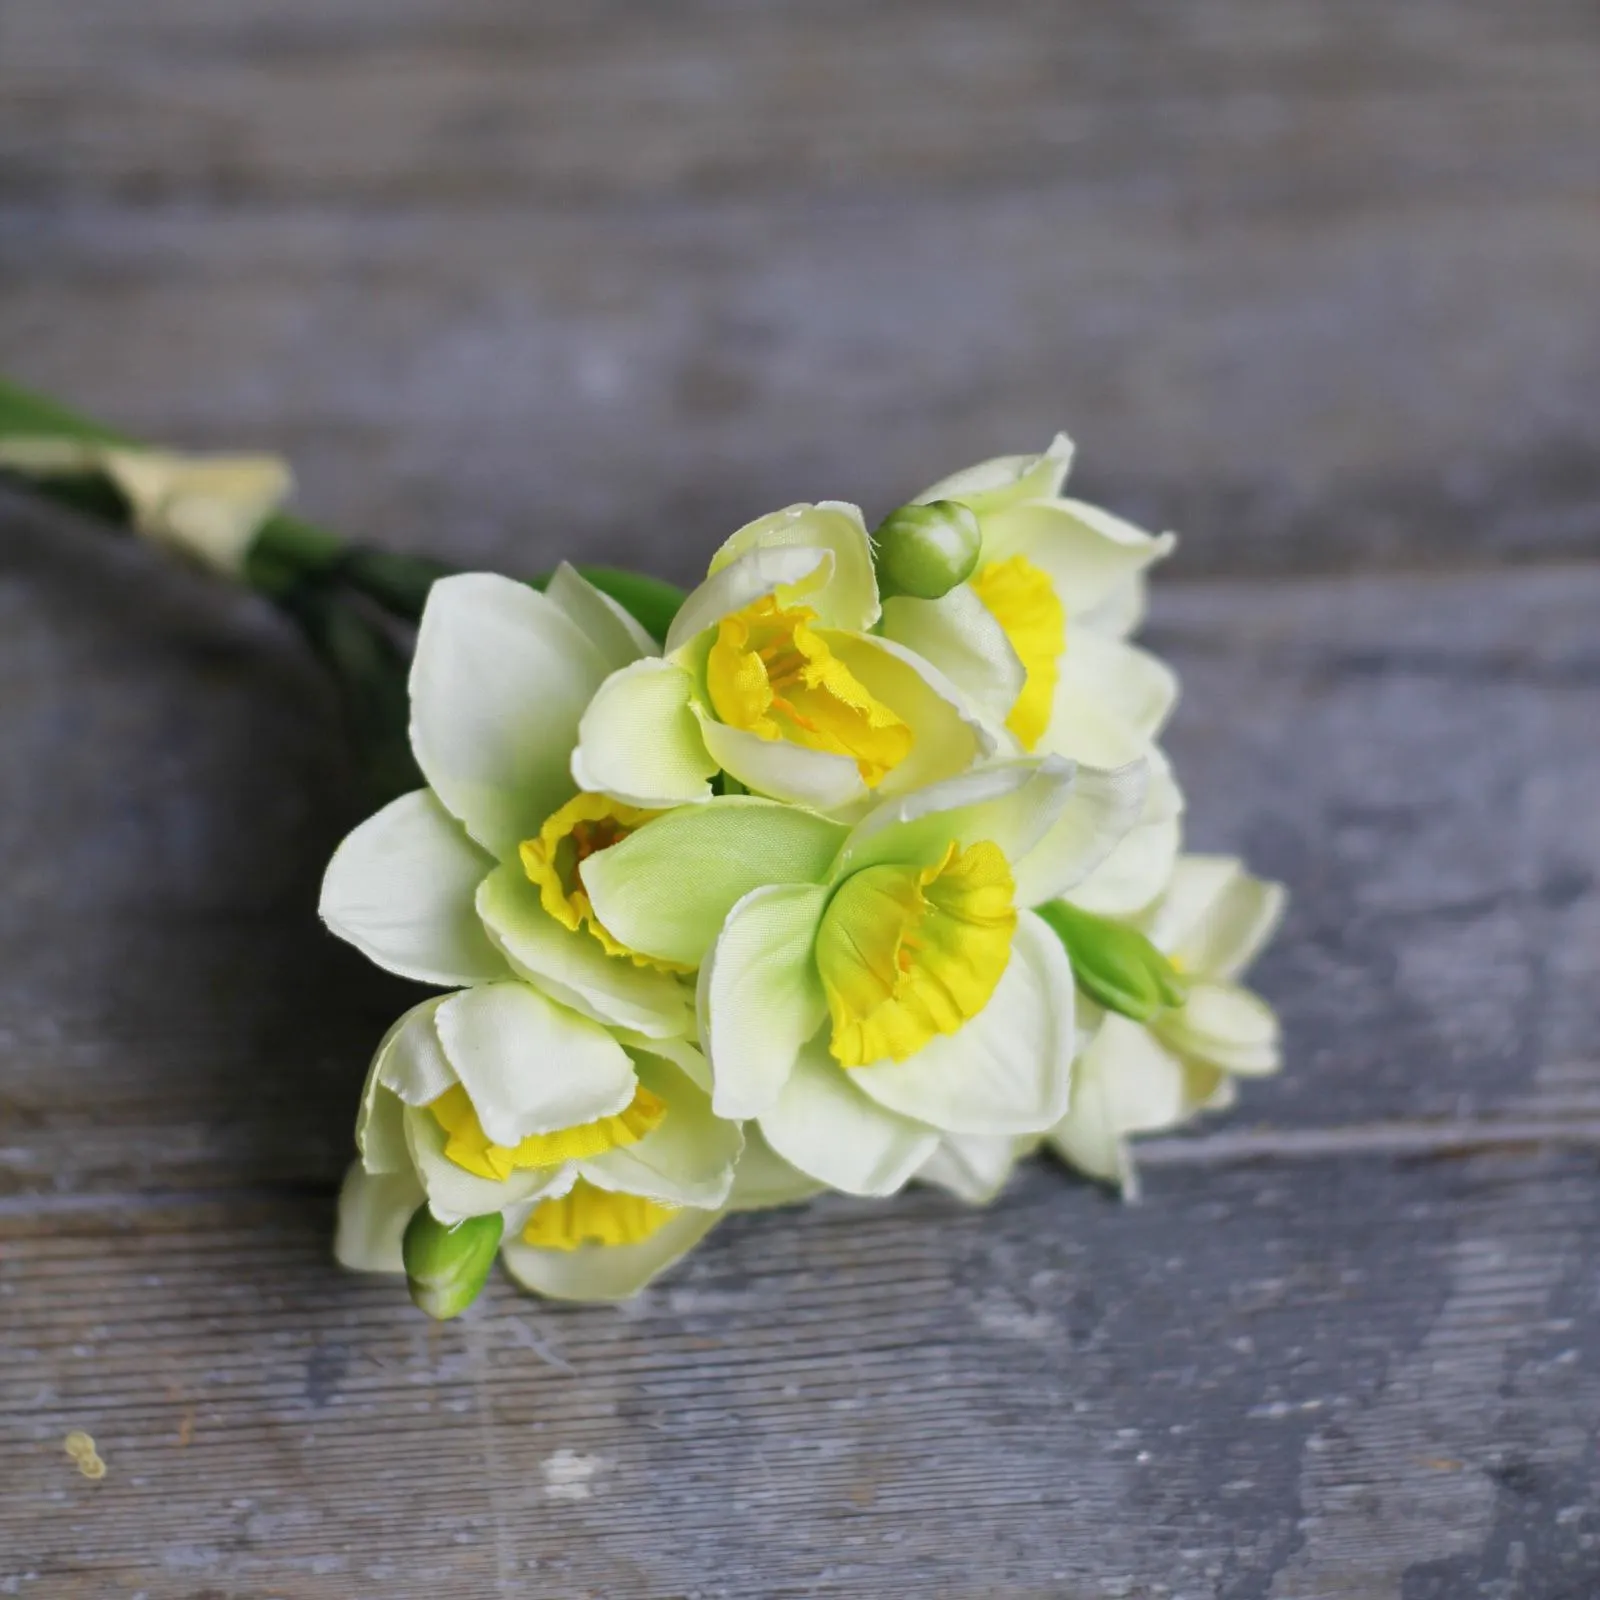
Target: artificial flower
{"type": "Point", "coordinates": [1143, 1076]}
{"type": "Point", "coordinates": [772, 675]}
{"type": "Point", "coordinates": [865, 990]}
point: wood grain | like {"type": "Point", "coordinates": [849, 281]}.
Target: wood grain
{"type": "Point", "coordinates": [1313, 284]}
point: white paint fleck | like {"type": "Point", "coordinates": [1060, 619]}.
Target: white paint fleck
{"type": "Point", "coordinates": [567, 1474]}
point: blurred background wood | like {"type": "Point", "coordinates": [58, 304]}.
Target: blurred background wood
{"type": "Point", "coordinates": [1314, 284]}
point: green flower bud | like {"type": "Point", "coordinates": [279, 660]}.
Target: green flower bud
{"type": "Point", "coordinates": [925, 551]}
{"type": "Point", "coordinates": [1115, 965]}
{"type": "Point", "coordinates": [446, 1265]}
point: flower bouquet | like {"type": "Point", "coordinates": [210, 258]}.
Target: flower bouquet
{"type": "Point", "coordinates": [858, 865]}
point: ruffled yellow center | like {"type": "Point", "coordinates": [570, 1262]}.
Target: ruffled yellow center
{"type": "Point", "coordinates": [587, 1215]}
{"type": "Point", "coordinates": [906, 953]}
{"type": "Point", "coordinates": [585, 825]}
{"type": "Point", "coordinates": [470, 1147]}
{"type": "Point", "coordinates": [1023, 600]}
{"type": "Point", "coordinates": [771, 673]}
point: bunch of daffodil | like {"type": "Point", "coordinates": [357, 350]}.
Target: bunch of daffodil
{"type": "Point", "coordinates": [857, 865]}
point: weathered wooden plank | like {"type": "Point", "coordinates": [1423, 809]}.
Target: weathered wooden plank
{"type": "Point", "coordinates": [1314, 288]}
{"type": "Point", "coordinates": [1415, 758]}
{"type": "Point", "coordinates": [1234, 1390]}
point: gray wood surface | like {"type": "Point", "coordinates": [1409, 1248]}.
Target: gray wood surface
{"type": "Point", "coordinates": [1314, 284]}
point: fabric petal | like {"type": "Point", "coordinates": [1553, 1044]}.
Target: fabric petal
{"type": "Point", "coordinates": [530, 1065]}
{"type": "Point", "coordinates": [606, 1272]}
{"type": "Point", "coordinates": [1012, 803]}
{"type": "Point", "coordinates": [961, 637]}
{"type": "Point", "coordinates": [454, 1193]}
{"type": "Point", "coordinates": [849, 599]}
{"type": "Point", "coordinates": [993, 486]}
{"type": "Point", "coordinates": [781, 770]}
{"type": "Point", "coordinates": [1119, 680]}
{"type": "Point", "coordinates": [608, 627]}
{"type": "Point", "coordinates": [798, 572]}
{"type": "Point", "coordinates": [1133, 876]}
{"type": "Point", "coordinates": [411, 1061]}
{"type": "Point", "coordinates": [640, 741]}
{"type": "Point", "coordinates": [823, 1125]}
{"type": "Point", "coordinates": [1008, 1070]}
{"type": "Point", "coordinates": [1215, 916]}
{"type": "Point", "coordinates": [500, 679]}
{"type": "Point", "coordinates": [373, 1212]}
{"type": "Point", "coordinates": [763, 1180]}
{"type": "Point", "coordinates": [760, 998]}
{"type": "Point", "coordinates": [972, 1167]}
{"type": "Point", "coordinates": [688, 1160]}
{"type": "Point", "coordinates": [570, 964]}
{"type": "Point", "coordinates": [1226, 1026]}
{"type": "Point", "coordinates": [667, 888]}
{"type": "Point", "coordinates": [400, 889]}
{"type": "Point", "coordinates": [1098, 814]}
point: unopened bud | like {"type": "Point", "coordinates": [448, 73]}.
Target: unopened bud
{"type": "Point", "coordinates": [447, 1263]}
{"type": "Point", "coordinates": [925, 551]}
{"type": "Point", "coordinates": [1115, 965]}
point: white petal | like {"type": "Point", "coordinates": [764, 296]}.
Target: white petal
{"type": "Point", "coordinates": [688, 1160]}
{"type": "Point", "coordinates": [1012, 803]}
{"type": "Point", "coordinates": [411, 1061]}
{"type": "Point", "coordinates": [961, 637]}
{"type": "Point", "coordinates": [607, 626]}
{"type": "Point", "coordinates": [1099, 813]}
{"type": "Point", "coordinates": [1088, 553]}
{"type": "Point", "coordinates": [500, 679]}
{"type": "Point", "coordinates": [454, 1193]}
{"type": "Point", "coordinates": [1087, 1138]}
{"type": "Point", "coordinates": [993, 485]}
{"type": "Point", "coordinates": [800, 572]}
{"type": "Point", "coordinates": [572, 966]}
{"type": "Point", "coordinates": [760, 997]}
{"type": "Point", "coordinates": [948, 735]}
{"type": "Point", "coordinates": [380, 1127]}
{"type": "Point", "coordinates": [1145, 1084]}
{"type": "Point", "coordinates": [823, 1125]}
{"type": "Point", "coordinates": [1133, 876]}
{"type": "Point", "coordinates": [849, 599]}
{"type": "Point", "coordinates": [373, 1213]}
{"type": "Point", "coordinates": [1109, 704]}
{"type": "Point", "coordinates": [640, 741]}
{"type": "Point", "coordinates": [1215, 916]}
{"type": "Point", "coordinates": [781, 770]}
{"type": "Point", "coordinates": [763, 1179]}
{"type": "Point", "coordinates": [972, 1167]}
{"type": "Point", "coordinates": [607, 1272]}
{"type": "Point", "coordinates": [1008, 1070]}
{"type": "Point", "coordinates": [1121, 613]}
{"type": "Point", "coordinates": [668, 887]}
{"type": "Point", "coordinates": [530, 1065]}
{"type": "Point", "coordinates": [400, 889]}
{"type": "Point", "coordinates": [1224, 1026]}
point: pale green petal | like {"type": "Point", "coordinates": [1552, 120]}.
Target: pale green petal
{"type": "Point", "coordinates": [380, 1127]}
{"type": "Point", "coordinates": [1088, 553]}
{"type": "Point", "coordinates": [688, 1160]}
{"type": "Point", "coordinates": [680, 1052]}
{"type": "Point", "coordinates": [1133, 876]}
{"type": "Point", "coordinates": [1215, 916]}
{"type": "Point", "coordinates": [500, 679]}
{"type": "Point", "coordinates": [606, 625]}
{"type": "Point", "coordinates": [1013, 804]}
{"type": "Point", "coordinates": [1117, 679]}
{"type": "Point", "coordinates": [1099, 813]}
{"type": "Point", "coordinates": [763, 1180]}
{"type": "Point", "coordinates": [1145, 1084]}
{"type": "Point", "coordinates": [411, 1060]}
{"type": "Point", "coordinates": [1087, 1138]}
{"type": "Point", "coordinates": [1121, 614]}
{"type": "Point", "coordinates": [640, 742]}
{"type": "Point", "coordinates": [760, 997]}
{"type": "Point", "coordinates": [783, 771]}
{"type": "Point", "coordinates": [1224, 1026]}
{"type": "Point", "coordinates": [400, 890]}
{"type": "Point", "coordinates": [948, 735]}
{"type": "Point", "coordinates": [972, 1167]}
{"type": "Point", "coordinates": [607, 1272]}
{"type": "Point", "coordinates": [959, 635]}
{"type": "Point", "coordinates": [1008, 1070]}
{"type": "Point", "coordinates": [572, 967]}
{"type": "Point", "coordinates": [849, 599]}
{"type": "Point", "coordinates": [823, 1125]}
{"type": "Point", "coordinates": [373, 1212]}
{"type": "Point", "coordinates": [992, 486]}
{"type": "Point", "coordinates": [530, 1065]}
{"type": "Point", "coordinates": [667, 888]}
{"type": "Point", "coordinates": [801, 572]}
{"type": "Point", "coordinates": [455, 1194]}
